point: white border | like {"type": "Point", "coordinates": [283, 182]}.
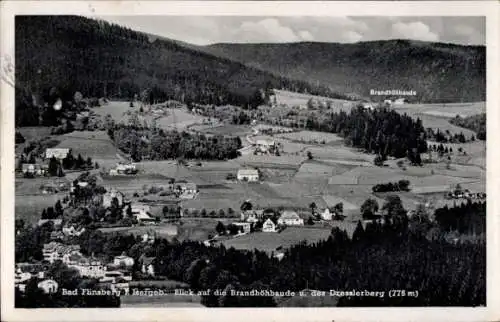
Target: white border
{"type": "Point", "coordinates": [490, 9]}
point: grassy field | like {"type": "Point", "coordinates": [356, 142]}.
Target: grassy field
{"type": "Point", "coordinates": [162, 230]}
{"type": "Point", "coordinates": [268, 242]}
{"type": "Point", "coordinates": [444, 110]}
{"type": "Point", "coordinates": [292, 99]}
{"type": "Point", "coordinates": [94, 144]}
{"type": "Point", "coordinates": [116, 109]}
{"type": "Point", "coordinates": [29, 208]}
{"type": "Point", "coordinates": [307, 136]}
{"type": "Point", "coordinates": [34, 132]}
{"type": "Point", "coordinates": [437, 116]}
{"type": "Point", "coordinates": [179, 119]}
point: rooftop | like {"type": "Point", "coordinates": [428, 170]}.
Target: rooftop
{"type": "Point", "coordinates": [289, 214]}
{"type": "Point", "coordinates": [249, 172]}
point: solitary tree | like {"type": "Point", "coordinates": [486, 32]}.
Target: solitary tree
{"type": "Point", "coordinates": [220, 228]}
{"type": "Point", "coordinates": [313, 207]}
{"type": "Point", "coordinates": [369, 208]}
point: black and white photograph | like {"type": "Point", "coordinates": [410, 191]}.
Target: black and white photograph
{"type": "Point", "coordinates": [236, 161]}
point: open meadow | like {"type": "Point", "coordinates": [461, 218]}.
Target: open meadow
{"type": "Point", "coordinates": [292, 99]}
{"type": "Point", "coordinates": [269, 242]}
{"type": "Point", "coordinates": [437, 116]}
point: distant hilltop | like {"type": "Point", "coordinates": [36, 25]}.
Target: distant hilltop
{"type": "Point", "coordinates": [100, 59]}
{"type": "Point", "coordinates": [437, 72]}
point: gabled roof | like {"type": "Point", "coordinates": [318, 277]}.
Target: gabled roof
{"type": "Point", "coordinates": [248, 172]}
{"type": "Point", "coordinates": [289, 214]}
{"type": "Point", "coordinates": [57, 222]}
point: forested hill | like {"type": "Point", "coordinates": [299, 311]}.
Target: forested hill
{"type": "Point", "coordinates": [99, 59]}
{"type": "Point", "coordinates": [437, 72]}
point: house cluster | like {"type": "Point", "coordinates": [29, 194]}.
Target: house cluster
{"type": "Point", "coordinates": [395, 102]}
{"type": "Point", "coordinates": [42, 169]}
{"type": "Point", "coordinates": [466, 194]}
{"type": "Point", "coordinates": [265, 147]}
{"type": "Point", "coordinates": [142, 213]}
{"type": "Point", "coordinates": [330, 213]}
{"type": "Point", "coordinates": [248, 175]}
{"type": "Point", "coordinates": [123, 169]}
{"type": "Point", "coordinates": [270, 222]}
{"type": "Point", "coordinates": [115, 274]}
{"type": "Point", "coordinates": [185, 190]}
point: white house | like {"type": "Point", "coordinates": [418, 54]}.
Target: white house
{"type": "Point", "coordinates": [56, 251]}
{"type": "Point", "coordinates": [141, 213]}
{"type": "Point", "coordinates": [368, 106]}
{"type": "Point", "coordinates": [265, 145]}
{"type": "Point", "coordinates": [58, 153]}
{"type": "Point", "coordinates": [290, 218]}
{"type": "Point", "coordinates": [147, 266]}
{"type": "Point", "coordinates": [90, 268]}
{"type": "Point", "coordinates": [57, 222]}
{"type": "Point", "coordinates": [25, 271]}
{"type": "Point", "coordinates": [120, 286]}
{"type": "Point", "coordinates": [251, 216]}
{"type": "Point", "coordinates": [123, 260]}
{"type": "Point", "coordinates": [269, 226]}
{"type": "Point", "coordinates": [400, 101]}
{"type": "Point", "coordinates": [114, 276]}
{"type": "Point", "coordinates": [34, 169]}
{"type": "Point", "coordinates": [149, 237]}
{"type": "Point", "coordinates": [186, 190]}
{"type": "Point", "coordinates": [123, 168]}
{"type": "Point", "coordinates": [49, 286]}
{"type": "Point", "coordinates": [327, 214]}
{"type": "Point", "coordinates": [245, 225]}
{"type": "Point", "coordinates": [250, 175]}
{"type": "Point", "coordinates": [107, 198]}
{"type": "Point", "coordinates": [72, 231]}
{"type": "Point", "coordinates": [279, 255]}
{"type": "Point", "coordinates": [388, 102]}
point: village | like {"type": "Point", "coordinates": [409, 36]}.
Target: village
{"type": "Point", "coordinates": [164, 206]}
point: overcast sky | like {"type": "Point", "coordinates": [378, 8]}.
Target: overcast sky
{"type": "Point", "coordinates": [203, 30]}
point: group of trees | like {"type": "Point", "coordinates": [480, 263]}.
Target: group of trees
{"type": "Point", "coordinates": [382, 131]}
{"type": "Point", "coordinates": [221, 229]}
{"type": "Point", "coordinates": [476, 123]}
{"type": "Point", "coordinates": [161, 145]}
{"type": "Point", "coordinates": [401, 185]}
{"type": "Point", "coordinates": [467, 218]}
{"type": "Point", "coordinates": [444, 274]}
{"type": "Point", "coordinates": [373, 259]}
{"type": "Point", "coordinates": [447, 137]}
{"type": "Point", "coordinates": [78, 163]}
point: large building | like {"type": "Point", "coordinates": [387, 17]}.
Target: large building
{"type": "Point", "coordinates": [58, 153]}
{"type": "Point", "coordinates": [290, 218]}
{"type": "Point", "coordinates": [250, 175]}
{"type": "Point", "coordinates": [34, 169]}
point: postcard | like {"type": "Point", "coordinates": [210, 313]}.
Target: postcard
{"type": "Point", "coordinates": [320, 161]}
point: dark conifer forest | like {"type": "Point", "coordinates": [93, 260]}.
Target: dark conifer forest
{"type": "Point", "coordinates": [383, 131]}
{"type": "Point", "coordinates": [69, 53]}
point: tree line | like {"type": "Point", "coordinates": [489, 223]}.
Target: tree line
{"type": "Point", "coordinates": [476, 123]}
{"type": "Point", "coordinates": [381, 131]}
{"type": "Point", "coordinates": [398, 254]}
{"type": "Point", "coordinates": [158, 144]}
{"type": "Point", "coordinates": [401, 185]}
{"type": "Point", "coordinates": [106, 60]}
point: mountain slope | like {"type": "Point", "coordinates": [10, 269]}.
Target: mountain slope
{"type": "Point", "coordinates": [437, 72]}
{"type": "Point", "coordinates": [98, 59]}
